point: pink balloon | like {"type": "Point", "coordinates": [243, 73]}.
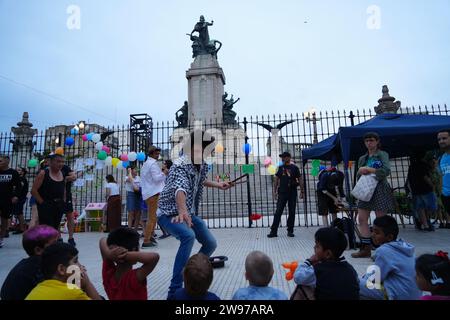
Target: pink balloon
{"type": "Point", "coordinates": [106, 149]}
{"type": "Point", "coordinates": [84, 137]}
{"type": "Point", "coordinates": [124, 157]}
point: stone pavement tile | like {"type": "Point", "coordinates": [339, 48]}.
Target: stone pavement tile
{"type": "Point", "coordinates": [235, 244]}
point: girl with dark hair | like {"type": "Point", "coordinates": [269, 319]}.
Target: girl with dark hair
{"type": "Point", "coordinates": [433, 275]}
{"type": "Point", "coordinates": [114, 207]}
{"type": "Point", "coordinates": [375, 161]}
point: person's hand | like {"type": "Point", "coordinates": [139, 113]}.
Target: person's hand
{"type": "Point", "coordinates": [224, 185]}
{"type": "Point", "coordinates": [14, 200]}
{"type": "Point", "coordinates": [183, 218]}
{"type": "Point", "coordinates": [165, 171]}
{"type": "Point", "coordinates": [313, 259]}
{"type": "Point", "coordinates": [363, 170]}
{"type": "Point", "coordinates": [117, 254]}
{"type": "Point", "coordinates": [84, 277]}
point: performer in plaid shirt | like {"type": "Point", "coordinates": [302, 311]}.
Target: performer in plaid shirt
{"type": "Point", "coordinates": [179, 202]}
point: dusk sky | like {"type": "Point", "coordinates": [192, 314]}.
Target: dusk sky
{"type": "Point", "coordinates": [278, 56]}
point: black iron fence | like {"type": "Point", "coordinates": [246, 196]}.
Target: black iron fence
{"type": "Point", "coordinates": [251, 145]}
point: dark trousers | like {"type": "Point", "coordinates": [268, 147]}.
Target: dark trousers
{"type": "Point", "coordinates": [291, 199]}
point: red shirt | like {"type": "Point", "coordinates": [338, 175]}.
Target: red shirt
{"type": "Point", "coordinates": [127, 288]}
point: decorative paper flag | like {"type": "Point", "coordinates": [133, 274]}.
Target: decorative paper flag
{"type": "Point", "coordinates": [315, 168]}
{"type": "Point", "coordinates": [248, 168]}
{"type": "Point", "coordinates": [236, 167]}
{"type": "Point", "coordinates": [89, 161]}
{"type": "Point", "coordinates": [79, 165]}
{"type": "Point", "coordinates": [99, 164]}
{"type": "Point", "coordinates": [79, 183]}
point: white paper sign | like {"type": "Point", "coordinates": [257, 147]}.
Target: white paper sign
{"type": "Point", "coordinates": [79, 183]}
{"type": "Point", "coordinates": [89, 177]}
{"type": "Point", "coordinates": [89, 162]}
{"type": "Point", "coordinates": [99, 164]}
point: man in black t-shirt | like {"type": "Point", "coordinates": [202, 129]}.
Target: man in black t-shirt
{"type": "Point", "coordinates": [287, 179]}
{"type": "Point", "coordinates": [10, 188]}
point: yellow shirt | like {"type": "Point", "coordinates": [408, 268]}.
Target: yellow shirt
{"type": "Point", "coordinates": [56, 290]}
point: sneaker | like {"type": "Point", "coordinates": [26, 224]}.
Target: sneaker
{"type": "Point", "coordinates": [291, 234]}
{"type": "Point", "coordinates": [272, 235]}
{"type": "Point", "coordinates": [164, 236]}
{"type": "Point", "coordinates": [71, 241]}
{"type": "Point", "coordinates": [148, 245]}
{"type": "Point", "coordinates": [442, 225]}
{"type": "Point", "coordinates": [153, 240]}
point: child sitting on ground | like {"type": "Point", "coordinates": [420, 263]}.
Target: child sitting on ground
{"type": "Point", "coordinates": [259, 272]}
{"type": "Point", "coordinates": [27, 273]}
{"type": "Point", "coordinates": [395, 261]}
{"type": "Point", "coordinates": [120, 251]}
{"type": "Point", "coordinates": [331, 277]}
{"type": "Point", "coordinates": [197, 277]}
{"type": "Point", "coordinates": [433, 275]}
{"type": "Point", "coordinates": [60, 267]}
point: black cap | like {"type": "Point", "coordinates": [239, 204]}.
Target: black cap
{"type": "Point", "coordinates": [285, 154]}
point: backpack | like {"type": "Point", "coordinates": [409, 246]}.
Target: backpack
{"type": "Point", "coordinates": [347, 226]}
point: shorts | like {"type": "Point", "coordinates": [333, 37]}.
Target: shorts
{"type": "Point", "coordinates": [426, 201]}
{"type": "Point", "coordinates": [326, 204]}
{"type": "Point", "coordinates": [50, 213]}
{"type": "Point", "coordinates": [68, 207]}
{"type": "Point", "coordinates": [18, 207]}
{"type": "Point", "coordinates": [133, 201]}
{"type": "Point", "coordinates": [6, 210]}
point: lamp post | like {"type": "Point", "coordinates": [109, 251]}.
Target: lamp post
{"type": "Point", "coordinates": [310, 116]}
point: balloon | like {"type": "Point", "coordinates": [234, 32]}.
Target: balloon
{"type": "Point", "coordinates": [69, 141]}
{"type": "Point", "coordinates": [32, 163]}
{"type": "Point", "coordinates": [291, 266]}
{"type": "Point", "coordinates": [247, 148]}
{"type": "Point", "coordinates": [108, 161]}
{"type": "Point", "coordinates": [96, 137]}
{"type": "Point", "coordinates": [84, 137]}
{"type": "Point", "coordinates": [322, 168]}
{"type": "Point", "coordinates": [74, 131]}
{"type": "Point", "coordinates": [255, 217]}
{"type": "Point", "coordinates": [219, 148]}
{"type": "Point", "coordinates": [99, 146]}
{"type": "Point", "coordinates": [89, 136]}
{"type": "Point", "coordinates": [141, 156]}
{"type": "Point", "coordinates": [272, 169]}
{"type": "Point", "coordinates": [124, 157]}
{"type": "Point", "coordinates": [115, 162]}
{"type": "Point", "coordinates": [59, 151]}
{"type": "Point", "coordinates": [132, 156]}
{"type": "Point", "coordinates": [280, 163]}
{"type": "Point", "coordinates": [125, 164]}
{"type": "Point", "coordinates": [102, 155]}
{"type": "Point", "coordinates": [106, 149]}
{"type": "Point", "coordinates": [267, 162]}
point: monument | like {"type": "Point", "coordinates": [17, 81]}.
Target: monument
{"type": "Point", "coordinates": [206, 81]}
{"type": "Point", "coordinates": [22, 143]}
{"type": "Point", "coordinates": [386, 103]}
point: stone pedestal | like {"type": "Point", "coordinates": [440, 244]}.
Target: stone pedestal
{"type": "Point", "coordinates": [205, 89]}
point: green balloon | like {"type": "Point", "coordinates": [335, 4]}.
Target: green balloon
{"type": "Point", "coordinates": [102, 155]}
{"type": "Point", "coordinates": [32, 163]}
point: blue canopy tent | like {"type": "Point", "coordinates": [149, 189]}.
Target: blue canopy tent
{"type": "Point", "coordinates": [400, 135]}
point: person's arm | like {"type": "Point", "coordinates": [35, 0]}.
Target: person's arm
{"type": "Point", "coordinates": [17, 187]}
{"type": "Point", "coordinates": [341, 185]}
{"type": "Point", "coordinates": [218, 185]}
{"type": "Point", "coordinates": [71, 177]}
{"type": "Point", "coordinates": [149, 261]}
{"type": "Point", "coordinates": [157, 174]}
{"type": "Point", "coordinates": [87, 286]}
{"type": "Point", "coordinates": [108, 192]}
{"type": "Point", "coordinates": [111, 254]}
{"type": "Point", "coordinates": [383, 172]}
{"type": "Point", "coordinates": [304, 275]}
{"type": "Point", "coordinates": [36, 185]}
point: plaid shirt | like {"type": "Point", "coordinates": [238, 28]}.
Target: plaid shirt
{"type": "Point", "coordinates": [183, 176]}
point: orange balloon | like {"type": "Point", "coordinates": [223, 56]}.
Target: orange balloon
{"type": "Point", "coordinates": [59, 151]}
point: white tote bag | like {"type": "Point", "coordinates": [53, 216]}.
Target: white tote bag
{"type": "Point", "coordinates": [365, 187]}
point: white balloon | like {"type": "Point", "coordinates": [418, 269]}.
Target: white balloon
{"type": "Point", "coordinates": [108, 161]}
{"type": "Point", "coordinates": [132, 156]}
{"type": "Point", "coordinates": [96, 138]}
{"type": "Point", "coordinates": [99, 146]}
{"type": "Point", "coordinates": [119, 165]}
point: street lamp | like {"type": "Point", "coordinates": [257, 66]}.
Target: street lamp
{"type": "Point", "coordinates": [310, 116]}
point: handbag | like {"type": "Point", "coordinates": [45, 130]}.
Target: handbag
{"type": "Point", "coordinates": [365, 187]}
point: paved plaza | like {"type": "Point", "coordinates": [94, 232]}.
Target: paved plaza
{"type": "Point", "coordinates": [233, 243]}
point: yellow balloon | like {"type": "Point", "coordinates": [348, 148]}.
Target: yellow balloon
{"type": "Point", "coordinates": [219, 148]}
{"type": "Point", "coordinates": [272, 169]}
{"type": "Point", "coordinates": [115, 162]}
{"type": "Point", "coordinates": [59, 151]}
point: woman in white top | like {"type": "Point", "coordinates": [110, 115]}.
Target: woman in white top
{"type": "Point", "coordinates": [114, 209]}
{"type": "Point", "coordinates": [134, 198]}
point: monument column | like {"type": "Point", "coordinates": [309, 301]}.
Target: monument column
{"type": "Point", "coordinates": [23, 143]}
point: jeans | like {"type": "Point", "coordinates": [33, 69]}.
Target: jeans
{"type": "Point", "coordinates": [291, 199]}
{"type": "Point", "coordinates": [186, 236]}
